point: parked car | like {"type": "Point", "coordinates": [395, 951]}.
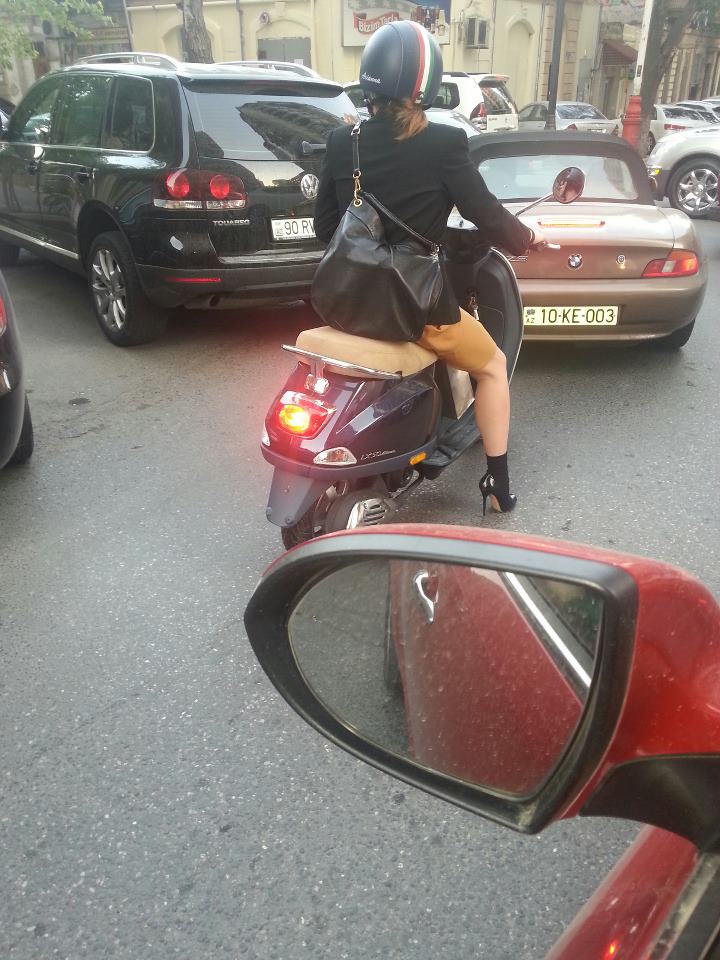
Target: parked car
{"type": "Point", "coordinates": [452, 118]}
{"type": "Point", "coordinates": [529, 681]}
{"type": "Point", "coordinates": [708, 112]}
{"type": "Point", "coordinates": [169, 185]}
{"type": "Point", "coordinates": [16, 429]}
{"type": "Point", "coordinates": [481, 97]}
{"type": "Point", "coordinates": [670, 119]}
{"type": "Point", "coordinates": [569, 115]}
{"type": "Point", "coordinates": [626, 270]}
{"type": "Point", "coordinates": [686, 169]}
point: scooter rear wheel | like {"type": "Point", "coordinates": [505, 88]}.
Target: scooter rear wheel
{"type": "Point", "coordinates": [300, 532]}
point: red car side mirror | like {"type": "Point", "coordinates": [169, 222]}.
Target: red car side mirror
{"type": "Point", "coordinates": [523, 679]}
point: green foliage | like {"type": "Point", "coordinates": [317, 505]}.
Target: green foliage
{"type": "Point", "coordinates": [16, 15]}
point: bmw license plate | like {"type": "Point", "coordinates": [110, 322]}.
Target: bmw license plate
{"type": "Point", "coordinates": [293, 228]}
{"type": "Point", "coordinates": [571, 316]}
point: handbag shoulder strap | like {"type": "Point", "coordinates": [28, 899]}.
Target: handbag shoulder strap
{"type": "Point", "coordinates": [373, 200]}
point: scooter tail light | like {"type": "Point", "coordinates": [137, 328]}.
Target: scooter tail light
{"type": "Point", "coordinates": [678, 263]}
{"type": "Point", "coordinates": [3, 318]}
{"type": "Point", "coordinates": [301, 416]}
{"type": "Point", "coordinates": [336, 456]}
{"type": "Point", "coordinates": [571, 126]}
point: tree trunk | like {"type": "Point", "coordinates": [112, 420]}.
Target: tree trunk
{"type": "Point", "coordinates": [196, 39]}
{"type": "Point", "coordinates": [659, 55]}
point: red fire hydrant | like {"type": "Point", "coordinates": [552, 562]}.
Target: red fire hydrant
{"type": "Point", "coordinates": [631, 122]}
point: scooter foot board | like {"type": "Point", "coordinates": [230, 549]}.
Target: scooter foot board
{"type": "Point", "coordinates": [454, 439]}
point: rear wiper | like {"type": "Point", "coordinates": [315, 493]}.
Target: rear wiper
{"type": "Point", "coordinates": [308, 148]}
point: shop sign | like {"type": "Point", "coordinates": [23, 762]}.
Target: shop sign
{"type": "Point", "coordinates": [362, 19]}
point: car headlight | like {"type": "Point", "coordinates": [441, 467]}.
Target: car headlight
{"type": "Point", "coordinates": [654, 171]}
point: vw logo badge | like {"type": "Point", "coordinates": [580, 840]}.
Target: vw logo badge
{"type": "Point", "coordinates": [575, 261]}
{"type": "Point", "coordinates": [309, 186]}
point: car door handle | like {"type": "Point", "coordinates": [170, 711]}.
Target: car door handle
{"type": "Point", "coordinates": [84, 175]}
{"type": "Point", "coordinates": [419, 582]}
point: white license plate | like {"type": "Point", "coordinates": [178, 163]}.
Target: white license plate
{"type": "Point", "coordinates": [293, 228]}
{"type": "Point", "coordinates": [571, 316]}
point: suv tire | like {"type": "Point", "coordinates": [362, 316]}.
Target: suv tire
{"type": "Point", "coordinates": [9, 254]}
{"type": "Point", "coordinates": [124, 313]}
{"type": "Point", "coordinates": [702, 170]}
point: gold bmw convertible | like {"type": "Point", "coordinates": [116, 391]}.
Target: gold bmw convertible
{"type": "Point", "coordinates": [626, 269]}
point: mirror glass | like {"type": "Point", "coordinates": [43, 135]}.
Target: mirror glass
{"type": "Point", "coordinates": [480, 674]}
{"type": "Point", "coordinates": [569, 185]}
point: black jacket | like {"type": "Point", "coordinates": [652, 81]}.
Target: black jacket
{"type": "Point", "coordinates": [419, 180]}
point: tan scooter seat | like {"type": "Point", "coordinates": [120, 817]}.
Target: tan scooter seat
{"type": "Point", "coordinates": [403, 358]}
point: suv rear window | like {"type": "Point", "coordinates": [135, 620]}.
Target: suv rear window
{"type": "Point", "coordinates": [265, 120]}
{"type": "Point", "coordinates": [496, 97]}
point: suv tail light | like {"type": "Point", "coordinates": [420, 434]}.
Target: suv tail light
{"type": "Point", "coordinates": [678, 263]}
{"type": "Point", "coordinates": [674, 126]}
{"type": "Point", "coordinates": [3, 318]}
{"type": "Point", "coordinates": [479, 114]}
{"type": "Point", "coordinates": [300, 415]}
{"type": "Point", "coordinates": [200, 190]}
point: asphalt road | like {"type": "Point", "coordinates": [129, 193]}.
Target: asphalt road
{"type": "Point", "coordinates": [158, 799]}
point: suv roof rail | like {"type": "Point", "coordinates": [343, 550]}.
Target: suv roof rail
{"type": "Point", "coordinates": [131, 56]}
{"type": "Point", "coordinates": [299, 68]}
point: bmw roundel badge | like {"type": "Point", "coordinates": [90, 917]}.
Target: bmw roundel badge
{"type": "Point", "coordinates": [575, 261]}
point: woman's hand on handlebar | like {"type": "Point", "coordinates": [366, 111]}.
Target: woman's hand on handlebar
{"type": "Point", "coordinates": [540, 241]}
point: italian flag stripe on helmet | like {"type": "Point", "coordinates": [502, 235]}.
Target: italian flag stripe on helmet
{"type": "Point", "coordinates": [427, 62]}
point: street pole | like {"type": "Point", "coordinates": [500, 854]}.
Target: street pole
{"type": "Point", "coordinates": [632, 118]}
{"type": "Point", "coordinates": [554, 74]}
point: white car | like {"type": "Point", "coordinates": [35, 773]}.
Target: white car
{"type": "Point", "coordinates": [670, 118]}
{"type": "Point", "coordinates": [686, 169]}
{"type": "Point", "coordinates": [569, 115]}
{"type": "Point", "coordinates": [706, 110]}
{"type": "Point", "coordinates": [482, 97]}
{"type": "Point", "coordinates": [451, 118]}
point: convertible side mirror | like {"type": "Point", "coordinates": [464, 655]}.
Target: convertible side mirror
{"type": "Point", "coordinates": [569, 185]}
{"type": "Point", "coordinates": [520, 678]}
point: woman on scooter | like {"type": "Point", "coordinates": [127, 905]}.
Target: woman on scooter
{"type": "Point", "coordinates": [420, 171]}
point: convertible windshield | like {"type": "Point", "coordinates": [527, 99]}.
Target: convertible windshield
{"type": "Point", "coordinates": [531, 176]}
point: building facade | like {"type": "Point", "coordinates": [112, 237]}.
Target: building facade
{"type": "Point", "coordinates": [513, 37]}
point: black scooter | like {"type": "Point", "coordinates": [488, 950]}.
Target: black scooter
{"type": "Point", "coordinates": [360, 422]}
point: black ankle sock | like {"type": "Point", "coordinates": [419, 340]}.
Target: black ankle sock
{"type": "Point", "coordinates": [498, 467]}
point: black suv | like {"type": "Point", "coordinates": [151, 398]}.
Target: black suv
{"type": "Point", "coordinates": [177, 184]}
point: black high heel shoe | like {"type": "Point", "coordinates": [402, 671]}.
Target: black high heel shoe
{"type": "Point", "coordinates": [500, 502]}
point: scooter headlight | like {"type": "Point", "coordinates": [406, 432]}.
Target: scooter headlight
{"type": "Point", "coordinates": [336, 456]}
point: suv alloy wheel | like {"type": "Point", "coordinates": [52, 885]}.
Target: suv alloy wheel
{"type": "Point", "coordinates": [694, 186]}
{"type": "Point", "coordinates": [124, 313]}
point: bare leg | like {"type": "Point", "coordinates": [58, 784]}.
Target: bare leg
{"type": "Point", "coordinates": [492, 405]}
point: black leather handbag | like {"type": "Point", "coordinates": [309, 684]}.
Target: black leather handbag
{"type": "Point", "coordinates": [370, 287]}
